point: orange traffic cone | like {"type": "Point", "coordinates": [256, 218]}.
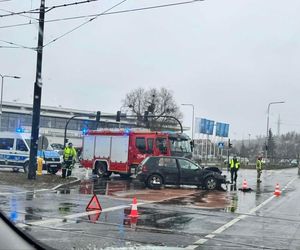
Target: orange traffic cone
{"type": "Point", "coordinates": [277, 191]}
{"type": "Point", "coordinates": [245, 185]}
{"type": "Point", "coordinates": [134, 212]}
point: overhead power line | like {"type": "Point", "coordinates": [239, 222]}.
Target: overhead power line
{"type": "Point", "coordinates": [37, 10]}
{"type": "Point", "coordinates": [104, 14]}
{"type": "Point", "coordinates": [93, 17]}
{"type": "Point", "coordinates": [88, 21]}
{"type": "Point", "coordinates": [9, 47]}
{"type": "Point", "coordinates": [15, 45]}
{"type": "Point", "coordinates": [69, 4]}
{"type": "Point", "coordinates": [14, 13]}
{"type": "Point", "coordinates": [126, 11]}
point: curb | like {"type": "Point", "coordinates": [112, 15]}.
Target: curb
{"type": "Point", "coordinates": [66, 184]}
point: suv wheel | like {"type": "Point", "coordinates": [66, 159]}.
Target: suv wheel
{"type": "Point", "coordinates": [211, 183]}
{"type": "Point", "coordinates": [155, 181]}
{"type": "Point", "coordinates": [15, 170]}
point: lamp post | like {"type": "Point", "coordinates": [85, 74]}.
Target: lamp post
{"type": "Point", "coordinates": [268, 117]}
{"type": "Point", "coordinates": [192, 105]}
{"type": "Point", "coordinates": [1, 100]}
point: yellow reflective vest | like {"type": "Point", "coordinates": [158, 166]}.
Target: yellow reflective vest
{"type": "Point", "coordinates": [258, 165]}
{"type": "Point", "coordinates": [69, 153]}
{"type": "Point", "coordinates": [234, 165]}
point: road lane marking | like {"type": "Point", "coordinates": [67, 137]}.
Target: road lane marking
{"type": "Point", "coordinates": [234, 221]}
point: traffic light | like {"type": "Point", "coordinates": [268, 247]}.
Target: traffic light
{"type": "Point", "coordinates": [146, 116]}
{"type": "Point", "coordinates": [229, 144]}
{"type": "Point", "coordinates": [118, 118]}
{"type": "Point", "coordinates": [98, 115]}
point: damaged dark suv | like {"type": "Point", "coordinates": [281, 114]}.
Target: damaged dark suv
{"type": "Point", "coordinates": [156, 171]}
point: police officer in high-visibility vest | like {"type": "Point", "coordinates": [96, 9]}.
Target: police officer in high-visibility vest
{"type": "Point", "coordinates": [234, 167]}
{"type": "Point", "coordinates": [259, 168]}
{"type": "Point", "coordinates": [69, 160]}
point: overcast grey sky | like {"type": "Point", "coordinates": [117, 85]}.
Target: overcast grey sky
{"type": "Point", "coordinates": [229, 58]}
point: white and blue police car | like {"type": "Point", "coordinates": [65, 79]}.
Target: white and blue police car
{"type": "Point", "coordinates": [14, 153]}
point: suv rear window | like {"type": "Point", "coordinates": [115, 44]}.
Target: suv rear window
{"type": "Point", "coordinates": [167, 162]}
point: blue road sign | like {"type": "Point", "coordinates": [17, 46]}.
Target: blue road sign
{"type": "Point", "coordinates": [222, 129]}
{"type": "Point", "coordinates": [206, 126]}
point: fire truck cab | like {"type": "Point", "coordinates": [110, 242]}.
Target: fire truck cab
{"type": "Point", "coordinates": [121, 151]}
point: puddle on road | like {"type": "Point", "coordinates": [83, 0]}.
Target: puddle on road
{"type": "Point", "coordinates": [231, 200]}
{"type": "Point", "coordinates": [154, 220]}
{"type": "Point", "coordinates": [163, 219]}
{"type": "Point", "coordinates": [101, 186]}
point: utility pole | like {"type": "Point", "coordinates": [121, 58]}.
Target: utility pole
{"type": "Point", "coordinates": [37, 97]}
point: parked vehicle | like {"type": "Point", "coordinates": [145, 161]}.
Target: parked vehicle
{"type": "Point", "coordinates": [121, 151]}
{"type": "Point", "coordinates": [294, 163]}
{"type": "Point", "coordinates": [284, 162]}
{"type": "Point", "coordinates": [156, 171]}
{"type": "Point", "coordinates": [14, 153]}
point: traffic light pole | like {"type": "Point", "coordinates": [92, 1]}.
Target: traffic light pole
{"type": "Point", "coordinates": [66, 128]}
{"type": "Point", "coordinates": [37, 97]}
{"type": "Point", "coordinates": [163, 116]}
{"type": "Point", "coordinates": [97, 116]}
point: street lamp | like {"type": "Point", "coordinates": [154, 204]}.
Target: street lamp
{"type": "Point", "coordinates": [2, 82]}
{"type": "Point", "coordinates": [271, 103]}
{"type": "Point", "coordinates": [192, 105]}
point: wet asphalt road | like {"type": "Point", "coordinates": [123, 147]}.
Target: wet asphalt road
{"type": "Point", "coordinates": [187, 217]}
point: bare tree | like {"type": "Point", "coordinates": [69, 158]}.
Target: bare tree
{"type": "Point", "coordinates": [155, 102]}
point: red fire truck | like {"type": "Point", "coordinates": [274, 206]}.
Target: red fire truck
{"type": "Point", "coordinates": [120, 151]}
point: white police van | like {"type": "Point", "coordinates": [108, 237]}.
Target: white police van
{"type": "Point", "coordinates": [14, 153]}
